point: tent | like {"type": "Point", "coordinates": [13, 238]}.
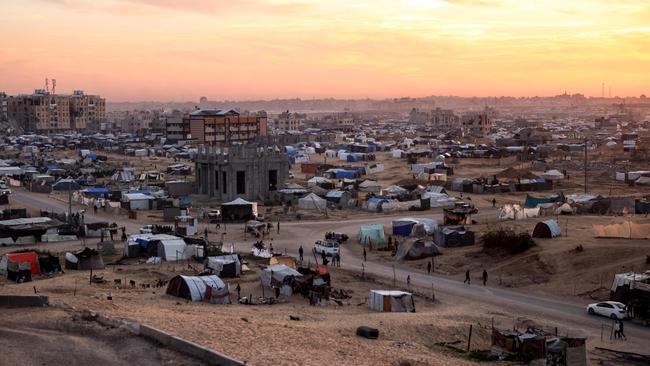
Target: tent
{"type": "Point", "coordinates": [137, 201]}
{"type": "Point", "coordinates": [627, 230]}
{"type": "Point", "coordinates": [312, 202]}
{"type": "Point", "coordinates": [369, 186]}
{"type": "Point", "coordinates": [284, 259]}
{"type": "Point", "coordinates": [374, 203]}
{"type": "Point", "coordinates": [532, 202]}
{"type": "Point", "coordinates": [239, 209]}
{"type": "Point", "coordinates": [31, 258]}
{"type": "Point", "coordinates": [84, 259]}
{"type": "Point", "coordinates": [282, 276]}
{"type": "Point", "coordinates": [372, 233]}
{"type": "Point", "coordinates": [547, 229]}
{"type": "Point", "coordinates": [225, 265]}
{"type": "Point", "coordinates": [391, 301]}
{"type": "Point", "coordinates": [394, 191]}
{"type": "Point", "coordinates": [416, 249]}
{"type": "Point", "coordinates": [454, 237]}
{"type": "Point", "coordinates": [553, 174]}
{"type": "Point", "coordinates": [397, 153]}
{"type": "Point", "coordinates": [195, 288]}
{"type": "Point", "coordinates": [172, 249]}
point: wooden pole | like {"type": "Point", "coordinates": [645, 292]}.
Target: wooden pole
{"type": "Point", "coordinates": [394, 276]}
{"type": "Point", "coordinates": [469, 338]}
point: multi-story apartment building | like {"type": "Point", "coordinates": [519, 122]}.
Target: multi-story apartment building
{"type": "Point", "coordinates": [288, 121]}
{"type": "Point", "coordinates": [222, 127]}
{"type": "Point", "coordinates": [175, 128]}
{"type": "Point", "coordinates": [442, 119]}
{"type": "Point", "coordinates": [4, 106]}
{"type": "Point", "coordinates": [477, 123]}
{"type": "Point", "coordinates": [41, 111]}
{"type": "Point", "coordinates": [85, 109]}
{"type": "Point", "coordinates": [136, 122]}
{"type": "Point", "coordinates": [45, 112]}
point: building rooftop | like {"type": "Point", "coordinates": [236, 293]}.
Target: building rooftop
{"type": "Point", "coordinates": [214, 112]}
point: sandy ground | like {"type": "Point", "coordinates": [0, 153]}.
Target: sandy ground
{"type": "Point", "coordinates": [62, 339]}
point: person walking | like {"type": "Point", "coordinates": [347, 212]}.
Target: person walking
{"type": "Point", "coordinates": [467, 279]}
{"type": "Point", "coordinates": [206, 233]}
{"type": "Point", "coordinates": [617, 330]}
{"type": "Point", "coordinates": [429, 268]}
{"type": "Point", "coordinates": [364, 254]}
{"type": "Point", "coordinates": [494, 202]}
{"type": "Point", "coordinates": [485, 277]}
{"type": "Point", "coordinates": [278, 231]}
{"type": "Point", "coordinates": [408, 280]}
{"type": "Point", "coordinates": [338, 260]}
{"type": "Point", "coordinates": [300, 253]}
{"type": "Point", "coordinates": [238, 288]}
{"type": "Point", "coordinates": [621, 333]}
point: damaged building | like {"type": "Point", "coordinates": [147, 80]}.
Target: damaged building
{"type": "Point", "coordinates": [245, 171]}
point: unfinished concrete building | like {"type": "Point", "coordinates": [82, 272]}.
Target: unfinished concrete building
{"type": "Point", "coordinates": [246, 171]}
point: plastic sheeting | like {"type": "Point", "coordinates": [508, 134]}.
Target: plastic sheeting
{"type": "Point", "coordinates": [516, 212]}
{"type": "Point", "coordinates": [372, 233]}
{"type": "Point", "coordinates": [627, 230]}
{"type": "Point", "coordinates": [391, 301]}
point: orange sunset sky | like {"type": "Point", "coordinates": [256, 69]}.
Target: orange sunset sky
{"type": "Point", "coordinates": [181, 50]}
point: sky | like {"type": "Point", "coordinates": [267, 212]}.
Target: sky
{"type": "Point", "coordinates": [163, 50]}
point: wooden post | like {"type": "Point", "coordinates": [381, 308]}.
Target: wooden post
{"type": "Point", "coordinates": [394, 276]}
{"type": "Point", "coordinates": [469, 338]}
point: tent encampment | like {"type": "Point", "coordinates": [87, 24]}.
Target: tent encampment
{"type": "Point", "coordinates": [547, 229]}
{"type": "Point", "coordinates": [195, 288]}
{"type": "Point", "coordinates": [416, 249]}
{"type": "Point", "coordinates": [372, 233]}
{"type": "Point", "coordinates": [391, 301]}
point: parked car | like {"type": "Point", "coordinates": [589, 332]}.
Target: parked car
{"type": "Point", "coordinates": [339, 237]}
{"type": "Point", "coordinates": [329, 247]}
{"type": "Point", "coordinates": [610, 309]}
{"type": "Point", "coordinates": [4, 188]}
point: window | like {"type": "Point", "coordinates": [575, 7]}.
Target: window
{"type": "Point", "coordinates": [241, 182]}
{"type": "Point", "coordinates": [224, 182]}
{"type": "Point", "coordinates": [216, 181]}
{"type": "Point", "coordinates": [273, 180]}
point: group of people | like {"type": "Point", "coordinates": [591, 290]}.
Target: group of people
{"type": "Point", "coordinates": [468, 278]}
{"type": "Point", "coordinates": [618, 330]}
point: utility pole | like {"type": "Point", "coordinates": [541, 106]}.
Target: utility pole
{"type": "Point", "coordinates": [585, 165]}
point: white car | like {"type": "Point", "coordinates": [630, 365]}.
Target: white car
{"type": "Point", "coordinates": [610, 309]}
{"type": "Point", "coordinates": [330, 248]}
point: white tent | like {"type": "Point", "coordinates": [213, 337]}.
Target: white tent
{"type": "Point", "coordinates": [553, 174]}
{"type": "Point", "coordinates": [312, 202]}
{"type": "Point", "coordinates": [194, 287]}
{"type": "Point", "coordinates": [172, 249]}
{"type": "Point", "coordinates": [282, 276]}
{"type": "Point", "coordinates": [391, 301]}
{"type": "Point", "coordinates": [218, 263]}
{"type": "Point", "coordinates": [397, 153]}
{"type": "Point", "coordinates": [394, 190]}
{"type": "Point", "coordinates": [316, 181]}
{"type": "Point", "coordinates": [137, 201]}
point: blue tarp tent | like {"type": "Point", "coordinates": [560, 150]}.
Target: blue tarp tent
{"type": "Point", "coordinates": [143, 191]}
{"type": "Point", "coordinates": [532, 202]}
{"type": "Point", "coordinates": [96, 191]}
{"type": "Point", "coordinates": [351, 158]}
{"type": "Point", "coordinates": [346, 174]}
{"type": "Point", "coordinates": [403, 227]}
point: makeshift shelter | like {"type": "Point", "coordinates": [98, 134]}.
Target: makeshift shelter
{"type": "Point", "coordinates": [84, 259]}
{"type": "Point", "coordinates": [16, 263]}
{"type": "Point", "coordinates": [172, 249]}
{"type": "Point", "coordinates": [532, 202]}
{"type": "Point", "coordinates": [374, 204]}
{"type": "Point", "coordinates": [225, 265]}
{"type": "Point", "coordinates": [281, 276]}
{"type": "Point", "coordinates": [454, 237]}
{"type": "Point", "coordinates": [312, 202]}
{"type": "Point", "coordinates": [626, 230]}
{"type": "Point", "coordinates": [372, 234]}
{"type": "Point", "coordinates": [239, 209]}
{"type": "Point", "coordinates": [195, 288]}
{"type": "Point", "coordinates": [547, 229]}
{"type": "Point", "coordinates": [553, 174]}
{"type": "Point", "coordinates": [369, 186]}
{"type": "Point", "coordinates": [416, 249]}
{"type": "Point", "coordinates": [137, 201]}
{"type": "Point", "coordinates": [391, 301]}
